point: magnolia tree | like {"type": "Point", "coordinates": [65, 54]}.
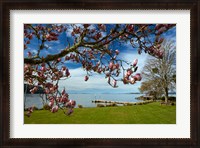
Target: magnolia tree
{"type": "Point", "coordinates": [91, 46]}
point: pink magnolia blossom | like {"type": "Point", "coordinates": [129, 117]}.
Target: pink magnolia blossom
{"type": "Point", "coordinates": [115, 83]}
{"type": "Point", "coordinates": [117, 52]}
{"type": "Point", "coordinates": [54, 109]}
{"type": "Point", "coordinates": [137, 77]}
{"type": "Point", "coordinates": [117, 66]}
{"type": "Point", "coordinates": [111, 65]}
{"type": "Point", "coordinates": [51, 103]}
{"type": "Point", "coordinates": [86, 78]}
{"type": "Point", "coordinates": [59, 59]}
{"type": "Point", "coordinates": [135, 62]}
{"type": "Point", "coordinates": [70, 111]}
{"type": "Point", "coordinates": [29, 54]}
{"type": "Point", "coordinates": [63, 92]}
{"type": "Point", "coordinates": [71, 104]}
{"type": "Point", "coordinates": [43, 69]}
{"type": "Point", "coordinates": [129, 72]}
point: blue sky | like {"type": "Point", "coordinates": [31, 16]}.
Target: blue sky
{"type": "Point", "coordinates": [97, 82]}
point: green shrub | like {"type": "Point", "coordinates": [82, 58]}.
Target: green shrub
{"type": "Point", "coordinates": [171, 98]}
{"type": "Point", "coordinates": [129, 104]}
{"type": "Point", "coordinates": [108, 105]}
{"type": "Point", "coordinates": [100, 105]}
{"type": "Point", "coordinates": [172, 103]}
{"type": "Point", "coordinates": [80, 106]}
{"type": "Point", "coordinates": [35, 108]}
{"type": "Point", "coordinates": [113, 104]}
{"type": "Point", "coordinates": [46, 107]}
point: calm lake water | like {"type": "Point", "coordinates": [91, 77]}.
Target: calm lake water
{"type": "Point", "coordinates": [84, 99]}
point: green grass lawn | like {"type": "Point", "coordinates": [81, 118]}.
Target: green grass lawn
{"type": "Point", "coordinates": [152, 113]}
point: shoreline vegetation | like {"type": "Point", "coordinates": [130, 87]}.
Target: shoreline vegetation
{"type": "Point", "coordinates": [105, 103]}
{"type": "Point", "coordinates": [144, 98]}
{"type": "Point", "coordinates": [115, 103]}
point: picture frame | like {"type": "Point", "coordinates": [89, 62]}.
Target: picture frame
{"type": "Point", "coordinates": [193, 6]}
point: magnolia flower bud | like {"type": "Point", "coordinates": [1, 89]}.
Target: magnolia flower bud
{"type": "Point", "coordinates": [129, 72]}
{"type": "Point", "coordinates": [70, 111]}
{"type": "Point", "coordinates": [26, 67]}
{"type": "Point", "coordinates": [29, 54]}
{"type": "Point", "coordinates": [32, 91]}
{"type": "Point", "coordinates": [117, 52]}
{"type": "Point", "coordinates": [108, 80]}
{"type": "Point", "coordinates": [117, 66]}
{"type": "Point", "coordinates": [67, 73]}
{"type": "Point", "coordinates": [135, 62]}
{"type": "Point", "coordinates": [59, 59]}
{"type": "Point", "coordinates": [137, 77]}
{"type": "Point", "coordinates": [132, 81]}
{"type": "Point", "coordinates": [63, 92]}
{"type": "Point", "coordinates": [158, 26]}
{"type": "Point", "coordinates": [86, 78]}
{"type": "Point", "coordinates": [73, 103]}
{"type": "Point", "coordinates": [52, 89]}
{"type": "Point", "coordinates": [64, 99]}
{"type": "Point", "coordinates": [125, 80]}
{"type": "Point", "coordinates": [115, 83]}
{"type": "Point", "coordinates": [54, 109]}
{"type": "Point", "coordinates": [28, 114]}
{"type": "Point", "coordinates": [51, 103]}
{"type": "Point", "coordinates": [43, 69]}
{"type": "Point", "coordinates": [28, 42]}
{"type": "Point", "coordinates": [111, 65]}
{"type": "Point", "coordinates": [58, 99]}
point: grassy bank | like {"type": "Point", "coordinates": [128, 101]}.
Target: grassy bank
{"type": "Point", "coordinates": [152, 113]}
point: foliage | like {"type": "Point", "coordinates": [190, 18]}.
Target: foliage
{"type": "Point", "coordinates": [80, 106]}
{"type": "Point", "coordinates": [91, 47]}
{"type": "Point", "coordinates": [100, 105]}
{"type": "Point", "coordinates": [111, 104]}
{"type": "Point", "coordinates": [152, 88]}
{"type": "Point", "coordinates": [46, 107]}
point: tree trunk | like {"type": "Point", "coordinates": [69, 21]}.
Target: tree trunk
{"type": "Point", "coordinates": [166, 95]}
{"type": "Point", "coordinates": [26, 85]}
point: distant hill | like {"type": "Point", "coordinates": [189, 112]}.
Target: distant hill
{"type": "Point", "coordinates": [135, 93]}
{"type": "Point", "coordinates": [29, 87]}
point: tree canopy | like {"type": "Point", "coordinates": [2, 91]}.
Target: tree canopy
{"type": "Point", "coordinates": [93, 46]}
{"type": "Point", "coordinates": [160, 74]}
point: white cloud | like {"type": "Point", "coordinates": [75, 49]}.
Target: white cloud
{"type": "Point", "coordinates": [96, 83]}
{"type": "Point", "coordinates": [131, 56]}
{"type": "Point", "coordinates": [78, 72]}
{"type": "Point", "coordinates": [77, 84]}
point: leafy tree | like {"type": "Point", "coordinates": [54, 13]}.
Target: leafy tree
{"type": "Point", "coordinates": [160, 74]}
{"type": "Point", "coordinates": [152, 88]}
{"type": "Point", "coordinates": [91, 46]}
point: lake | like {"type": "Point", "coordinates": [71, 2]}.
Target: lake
{"type": "Point", "coordinates": [84, 99]}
